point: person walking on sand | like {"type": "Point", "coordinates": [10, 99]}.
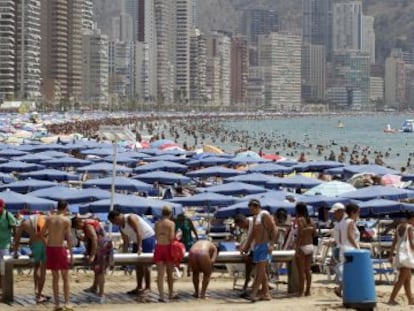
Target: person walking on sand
{"type": "Point", "coordinates": [58, 228]}
{"type": "Point", "coordinates": [404, 234]}
{"type": "Point", "coordinates": [136, 230]}
{"type": "Point", "coordinates": [7, 230]}
{"type": "Point", "coordinates": [33, 226]}
{"type": "Point", "coordinates": [165, 235]}
{"type": "Point", "coordinates": [202, 257]}
{"type": "Point", "coordinates": [306, 231]}
{"type": "Point", "coordinates": [99, 251]}
{"type": "Point", "coordinates": [264, 235]}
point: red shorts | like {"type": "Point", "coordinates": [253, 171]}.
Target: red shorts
{"type": "Point", "coordinates": [57, 258]}
{"type": "Point", "coordinates": [162, 253]}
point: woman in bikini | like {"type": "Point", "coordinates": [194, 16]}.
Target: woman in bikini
{"type": "Point", "coordinates": [165, 235]}
{"type": "Point", "coordinates": [306, 231]}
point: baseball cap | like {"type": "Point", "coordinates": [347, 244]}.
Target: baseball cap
{"type": "Point", "coordinates": [254, 202]}
{"type": "Point", "coordinates": [337, 207]}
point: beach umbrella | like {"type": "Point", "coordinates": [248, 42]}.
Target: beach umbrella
{"type": "Point", "coordinates": [296, 182]}
{"type": "Point", "coordinates": [53, 154]}
{"type": "Point", "coordinates": [379, 192]}
{"type": "Point", "coordinates": [331, 189]}
{"type": "Point", "coordinates": [121, 183]}
{"type": "Point", "coordinates": [322, 201]}
{"type": "Point", "coordinates": [162, 142]}
{"type": "Point", "coordinates": [24, 186]}
{"type": "Point", "coordinates": [3, 160]}
{"type": "Point", "coordinates": [161, 177]}
{"type": "Point", "coordinates": [316, 166]}
{"type": "Point", "coordinates": [122, 159]}
{"type": "Point", "coordinates": [209, 161]}
{"type": "Point", "coordinates": [287, 162]}
{"type": "Point", "coordinates": [32, 158]}
{"type": "Point", "coordinates": [207, 199]}
{"type": "Point", "coordinates": [165, 166]}
{"type": "Point", "coordinates": [131, 204]}
{"type": "Point", "coordinates": [174, 151]}
{"type": "Point", "coordinates": [273, 157]}
{"type": "Point", "coordinates": [372, 168]}
{"type": "Point", "coordinates": [9, 153]}
{"type": "Point", "coordinates": [270, 168]}
{"type": "Point", "coordinates": [234, 188]}
{"type": "Point", "coordinates": [65, 162]}
{"type": "Point", "coordinates": [270, 205]}
{"type": "Point", "coordinates": [257, 179]}
{"type": "Point", "coordinates": [104, 167]}
{"type": "Point", "coordinates": [166, 157]}
{"type": "Point", "coordinates": [71, 195]}
{"type": "Point", "coordinates": [214, 171]}
{"type": "Point", "coordinates": [380, 207]}
{"type": "Point", "coordinates": [46, 147]}
{"type": "Point", "coordinates": [16, 201]}
{"type": "Point", "coordinates": [248, 157]}
{"type": "Point", "coordinates": [50, 174]}
{"type": "Point", "coordinates": [102, 152]}
{"type": "Point", "coordinates": [6, 179]}
{"type": "Point", "coordinates": [275, 195]}
{"type": "Point", "coordinates": [132, 154]}
{"type": "Point", "coordinates": [17, 166]}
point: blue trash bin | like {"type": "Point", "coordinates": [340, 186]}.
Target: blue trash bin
{"type": "Point", "coordinates": [358, 281]}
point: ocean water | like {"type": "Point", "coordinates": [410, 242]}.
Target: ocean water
{"type": "Point", "coordinates": [358, 132]}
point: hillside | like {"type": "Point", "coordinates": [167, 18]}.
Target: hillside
{"type": "Point", "coordinates": [394, 19]}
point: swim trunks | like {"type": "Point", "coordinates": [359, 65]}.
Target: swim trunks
{"type": "Point", "coordinates": [38, 252]}
{"type": "Point", "coordinates": [57, 258]}
{"type": "Point", "coordinates": [162, 253]}
{"type": "Point", "coordinates": [261, 253]}
{"type": "Point", "coordinates": [148, 245]}
{"type": "Point", "coordinates": [103, 255]}
{"type": "Point", "coordinates": [307, 249]}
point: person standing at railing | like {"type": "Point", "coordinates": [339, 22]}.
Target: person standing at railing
{"type": "Point", "coordinates": [264, 235]}
{"type": "Point", "coordinates": [33, 226]}
{"type": "Point", "coordinates": [7, 230]}
{"type": "Point", "coordinates": [135, 229]}
{"type": "Point", "coordinates": [58, 229]}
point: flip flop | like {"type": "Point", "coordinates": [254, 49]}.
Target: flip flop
{"type": "Point", "coordinates": [133, 292]}
{"type": "Point", "coordinates": [42, 299]}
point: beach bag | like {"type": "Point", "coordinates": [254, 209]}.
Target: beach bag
{"type": "Point", "coordinates": [177, 252]}
{"type": "Point", "coordinates": [406, 256]}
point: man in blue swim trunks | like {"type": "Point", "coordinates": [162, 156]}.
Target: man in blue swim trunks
{"type": "Point", "coordinates": [33, 227]}
{"type": "Point", "coordinates": [264, 236]}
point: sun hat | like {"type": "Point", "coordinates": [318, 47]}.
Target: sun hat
{"type": "Point", "coordinates": [337, 207]}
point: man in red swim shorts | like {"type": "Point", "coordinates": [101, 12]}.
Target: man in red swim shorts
{"type": "Point", "coordinates": [58, 229]}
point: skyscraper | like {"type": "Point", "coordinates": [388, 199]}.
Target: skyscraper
{"type": "Point", "coordinates": [368, 37]}
{"type": "Point", "coordinates": [198, 67]}
{"type": "Point", "coordinates": [87, 14]}
{"type": "Point", "coordinates": [122, 28]}
{"type": "Point", "coordinates": [317, 23]}
{"type": "Point", "coordinates": [280, 56]}
{"type": "Point", "coordinates": [313, 72]}
{"type": "Point", "coordinates": [61, 51]}
{"type": "Point", "coordinates": [239, 71]}
{"type": "Point", "coordinates": [7, 48]}
{"type": "Point", "coordinates": [256, 22]}
{"type": "Point", "coordinates": [347, 25]}
{"type": "Point", "coordinates": [183, 12]}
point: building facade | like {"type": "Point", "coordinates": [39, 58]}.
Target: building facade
{"type": "Point", "coordinates": [239, 71]}
{"type": "Point", "coordinates": [280, 56]}
{"type": "Point", "coordinates": [347, 25]}
{"type": "Point", "coordinates": [198, 68]}
{"type": "Point", "coordinates": [313, 72]}
{"type": "Point", "coordinates": [7, 48]}
{"type": "Point", "coordinates": [368, 37]}
{"type": "Point", "coordinates": [256, 22]}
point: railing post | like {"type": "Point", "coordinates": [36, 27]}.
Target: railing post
{"type": "Point", "coordinates": [8, 282]}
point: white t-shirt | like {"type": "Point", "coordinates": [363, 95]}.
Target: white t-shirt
{"type": "Point", "coordinates": [144, 229]}
{"type": "Point", "coordinates": [337, 231]}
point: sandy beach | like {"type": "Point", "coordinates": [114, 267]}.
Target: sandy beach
{"type": "Point", "coordinates": [221, 296]}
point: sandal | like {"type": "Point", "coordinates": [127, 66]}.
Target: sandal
{"type": "Point", "coordinates": [42, 299]}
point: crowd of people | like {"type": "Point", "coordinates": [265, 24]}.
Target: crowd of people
{"type": "Point", "coordinates": [51, 238]}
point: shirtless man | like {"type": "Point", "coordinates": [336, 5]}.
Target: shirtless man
{"type": "Point", "coordinates": [58, 227]}
{"type": "Point", "coordinates": [264, 235]}
{"type": "Point", "coordinates": [33, 226]}
{"type": "Point", "coordinates": [165, 235]}
{"type": "Point", "coordinates": [202, 256]}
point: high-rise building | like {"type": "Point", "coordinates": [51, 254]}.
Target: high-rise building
{"type": "Point", "coordinates": [239, 71]}
{"type": "Point", "coordinates": [256, 22]}
{"type": "Point", "coordinates": [121, 69]}
{"type": "Point", "coordinates": [280, 56]}
{"type": "Point", "coordinates": [7, 48]}
{"type": "Point", "coordinates": [313, 72]}
{"type": "Point", "coordinates": [95, 69]}
{"type": "Point", "coordinates": [352, 70]}
{"type": "Point", "coordinates": [194, 14]}
{"type": "Point", "coordinates": [317, 23]}
{"type": "Point", "coordinates": [219, 68]}
{"type": "Point", "coordinates": [198, 67]}
{"type": "Point", "coordinates": [182, 52]}
{"type": "Point", "coordinates": [165, 34]}
{"type": "Point", "coordinates": [61, 51]}
{"type": "Point", "coordinates": [376, 89]}
{"type": "Point", "coordinates": [122, 27]}
{"type": "Point", "coordinates": [368, 37]}
{"type": "Point", "coordinates": [347, 25]}
{"type": "Point", "coordinates": [395, 80]}
{"type": "Point", "coordinates": [87, 14]}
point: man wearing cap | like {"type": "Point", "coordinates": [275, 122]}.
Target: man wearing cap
{"type": "Point", "coordinates": [338, 210]}
{"type": "Point", "coordinates": [264, 235]}
{"type": "Point", "coordinates": [7, 229]}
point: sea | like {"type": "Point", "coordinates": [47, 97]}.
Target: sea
{"type": "Point", "coordinates": [362, 132]}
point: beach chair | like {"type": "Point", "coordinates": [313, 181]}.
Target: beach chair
{"type": "Point", "coordinates": [235, 270]}
{"type": "Point", "coordinates": [323, 257]}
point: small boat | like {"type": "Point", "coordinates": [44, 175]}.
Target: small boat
{"type": "Point", "coordinates": [389, 129]}
{"type": "Point", "coordinates": [339, 124]}
{"type": "Point", "coordinates": [408, 126]}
